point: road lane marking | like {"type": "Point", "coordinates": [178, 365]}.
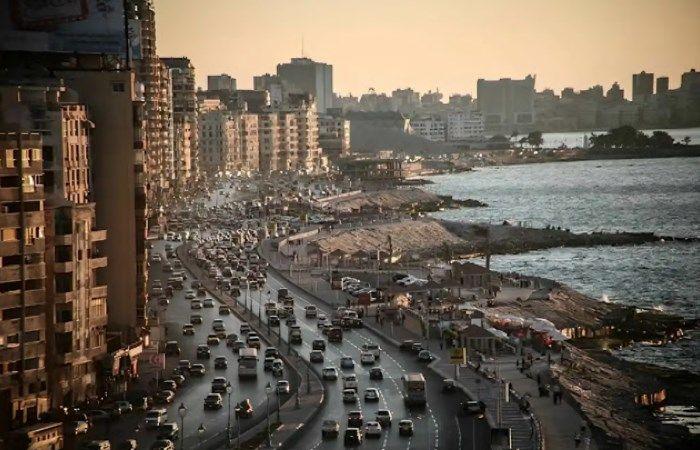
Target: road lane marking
{"type": "Point", "coordinates": [459, 433]}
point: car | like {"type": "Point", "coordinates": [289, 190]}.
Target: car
{"type": "Point", "coordinates": [330, 429]}
{"type": "Point", "coordinates": [213, 401]}
{"type": "Point", "coordinates": [208, 303]}
{"type": "Point", "coordinates": [165, 396]}
{"type": "Point", "coordinates": [371, 395]}
{"type": "Point", "coordinates": [213, 339]}
{"type": "Point", "coordinates": [128, 444]}
{"type": "Point", "coordinates": [383, 416]}
{"type": "Point", "coordinates": [282, 387]}
{"type": "Point", "coordinates": [318, 344]}
{"type": "Point", "coordinates": [367, 358]}
{"type": "Point", "coordinates": [374, 349]}
{"type": "Point", "coordinates": [198, 370]}
{"type": "Point", "coordinates": [169, 385]}
{"type": "Point", "coordinates": [76, 427]}
{"type": "Point", "coordinates": [352, 437]}
{"type": "Point", "coordinates": [163, 301]}
{"type": "Point", "coordinates": [163, 444]}
{"type": "Point", "coordinates": [349, 396]}
{"type": "Point", "coordinates": [406, 427]}
{"type": "Point", "coordinates": [196, 319]}
{"type": "Point", "coordinates": [376, 373]}
{"type": "Point", "coordinates": [373, 430]}
{"type": "Point", "coordinates": [123, 406]}
{"type": "Point", "coordinates": [274, 320]}
{"type": "Point", "coordinates": [190, 295]}
{"type": "Point", "coordinates": [449, 385]}
{"type": "Point", "coordinates": [218, 325]}
{"type": "Point", "coordinates": [220, 362]}
{"type": "Point", "coordinates": [224, 310]}
{"type": "Point", "coordinates": [355, 419]}
{"type": "Point", "coordinates": [237, 345]}
{"type": "Point", "coordinates": [267, 363]}
{"type": "Point", "coordinates": [188, 329]}
{"type": "Point", "coordinates": [178, 379]}
{"type": "Point", "coordinates": [417, 347]}
{"type": "Point", "coordinates": [425, 356]}
{"type": "Point", "coordinates": [184, 365]}
{"type": "Point", "coordinates": [471, 407]}
{"type": "Point", "coordinates": [330, 373]}
{"type": "Point", "coordinates": [290, 320]}
{"type": "Point", "coordinates": [316, 356]}
{"type": "Point", "coordinates": [254, 342]}
{"type": "Point", "coordinates": [277, 367]}
{"type": "Point", "coordinates": [310, 311]}
{"type": "Point", "coordinates": [272, 351]}
{"type": "Point", "coordinates": [219, 385]}
{"type": "Point", "coordinates": [244, 409]}
{"type": "Point", "coordinates": [168, 430]}
{"type": "Point", "coordinates": [245, 328]}
{"type": "Point", "coordinates": [98, 415]}
{"type": "Point", "coordinates": [347, 362]}
{"type": "Point", "coordinates": [230, 339]}
{"type": "Point", "coordinates": [322, 322]}
{"type": "Point", "coordinates": [172, 348]}
{"type": "Point", "coordinates": [155, 417]}
{"type": "Point", "coordinates": [407, 344]}
{"type": "Point", "coordinates": [350, 382]}
{"type": "Point", "coordinates": [196, 304]}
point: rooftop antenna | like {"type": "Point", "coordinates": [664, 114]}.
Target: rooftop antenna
{"type": "Point", "coordinates": [302, 45]}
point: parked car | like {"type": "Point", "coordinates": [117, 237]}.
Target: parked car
{"type": "Point", "coordinates": [169, 430]}
{"type": "Point", "coordinates": [282, 387]}
{"type": "Point", "coordinates": [213, 401]}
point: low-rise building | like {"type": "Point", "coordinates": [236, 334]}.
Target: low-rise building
{"type": "Point", "coordinates": [431, 128]}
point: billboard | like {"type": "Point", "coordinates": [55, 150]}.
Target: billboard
{"type": "Point", "coordinates": [73, 26]}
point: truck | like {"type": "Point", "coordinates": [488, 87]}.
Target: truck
{"type": "Point", "coordinates": [284, 297]}
{"type": "Point", "coordinates": [294, 335]}
{"type": "Point", "coordinates": [335, 334]}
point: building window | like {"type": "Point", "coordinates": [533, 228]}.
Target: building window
{"type": "Point", "coordinates": [118, 87]}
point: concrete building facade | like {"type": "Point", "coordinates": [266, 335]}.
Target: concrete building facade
{"type": "Point", "coordinates": [507, 105]}
{"type": "Point", "coordinates": [306, 76]}
{"type": "Point", "coordinates": [334, 136]}
{"type": "Point", "coordinates": [218, 132]}
{"type": "Point", "coordinates": [642, 86]}
{"type": "Point", "coordinates": [223, 82]}
{"type": "Point", "coordinates": [464, 125]}
{"type": "Point", "coordinates": [432, 128]}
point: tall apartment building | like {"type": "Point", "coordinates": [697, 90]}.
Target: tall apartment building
{"type": "Point", "coordinates": [642, 86]}
{"type": "Point", "coordinates": [308, 156]}
{"type": "Point", "coordinates": [185, 135]}
{"type": "Point", "coordinates": [405, 100]}
{"type": "Point", "coordinates": [223, 82]}
{"type": "Point", "coordinates": [218, 133]}
{"type": "Point", "coordinates": [278, 138]}
{"type": "Point", "coordinates": [272, 84]}
{"type": "Point", "coordinates": [306, 76]}
{"type": "Point", "coordinates": [118, 163]}
{"type": "Point", "coordinates": [507, 105]}
{"type": "Point", "coordinates": [248, 142]}
{"type": "Point", "coordinates": [155, 77]}
{"type": "Point", "coordinates": [334, 136]}
{"type": "Point", "coordinates": [23, 333]}
{"type": "Point", "coordinates": [76, 300]}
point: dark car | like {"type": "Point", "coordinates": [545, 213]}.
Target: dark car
{"type": "Point", "coordinates": [164, 396]}
{"type": "Point", "coordinates": [353, 437]}
{"type": "Point", "coordinates": [355, 419]}
{"type": "Point", "coordinates": [473, 407]}
{"type": "Point", "coordinates": [168, 430]}
{"type": "Point", "coordinates": [203, 352]}
{"type": "Point", "coordinates": [319, 344]}
{"type": "Point", "coordinates": [274, 321]}
{"type": "Point", "coordinates": [244, 409]}
{"type": "Point", "coordinates": [172, 348]}
{"type": "Point", "coordinates": [376, 373]}
{"type": "Point", "coordinates": [407, 344]}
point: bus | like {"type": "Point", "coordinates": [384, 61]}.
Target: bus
{"type": "Point", "coordinates": [414, 389]}
{"type": "Point", "coordinates": [248, 363]}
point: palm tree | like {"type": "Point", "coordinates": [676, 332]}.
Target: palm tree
{"type": "Point", "coordinates": [686, 140]}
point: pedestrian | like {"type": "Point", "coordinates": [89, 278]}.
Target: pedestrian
{"type": "Point", "coordinates": [539, 379]}
{"type": "Point", "coordinates": [441, 345]}
{"type": "Point", "coordinates": [577, 440]}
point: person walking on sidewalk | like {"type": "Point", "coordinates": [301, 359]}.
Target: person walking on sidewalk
{"type": "Point", "coordinates": [441, 344]}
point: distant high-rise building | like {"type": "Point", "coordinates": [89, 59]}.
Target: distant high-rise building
{"type": "Point", "coordinates": [334, 136]}
{"type": "Point", "coordinates": [464, 125]}
{"type": "Point", "coordinates": [506, 104]}
{"type": "Point", "coordinates": [405, 100]}
{"type": "Point", "coordinates": [304, 75]}
{"type": "Point", "coordinates": [185, 142]}
{"type": "Point", "coordinates": [431, 98]}
{"type": "Point", "coordinates": [223, 82]}
{"type": "Point", "coordinates": [273, 84]}
{"type": "Point", "coordinates": [662, 85]}
{"type": "Point", "coordinates": [690, 81]}
{"type": "Point", "coordinates": [642, 86]}
{"type": "Point", "coordinates": [615, 93]}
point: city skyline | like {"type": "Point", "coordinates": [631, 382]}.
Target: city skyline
{"type": "Point", "coordinates": [623, 44]}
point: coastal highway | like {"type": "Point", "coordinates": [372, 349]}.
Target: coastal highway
{"type": "Point", "coordinates": [441, 425]}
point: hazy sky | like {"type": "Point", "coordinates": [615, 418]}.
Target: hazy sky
{"type": "Point", "coordinates": [447, 44]}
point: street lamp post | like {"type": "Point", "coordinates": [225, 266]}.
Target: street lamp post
{"type": "Point", "coordinates": [268, 389]}
{"type": "Point", "coordinates": [182, 412]}
{"type": "Point", "coordinates": [229, 389]}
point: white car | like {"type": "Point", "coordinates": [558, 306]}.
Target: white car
{"type": "Point", "coordinates": [412, 281]}
{"type": "Point", "coordinates": [350, 382]}
{"type": "Point", "coordinates": [190, 295]}
{"type": "Point", "coordinates": [371, 395]}
{"type": "Point", "coordinates": [330, 428]}
{"type": "Point", "coordinates": [349, 396]}
{"type": "Point", "coordinates": [282, 387]}
{"type": "Point", "coordinates": [322, 321]}
{"type": "Point", "coordinates": [367, 358]}
{"type": "Point", "coordinates": [196, 304]}
{"type": "Point", "coordinates": [346, 362]}
{"type": "Point", "coordinates": [330, 373]}
{"type": "Point", "coordinates": [373, 429]}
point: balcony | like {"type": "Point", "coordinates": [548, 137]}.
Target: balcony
{"type": "Point", "coordinates": [97, 263]}
{"type": "Point", "coordinates": [9, 327]}
{"type": "Point", "coordinates": [31, 297]}
{"type": "Point", "coordinates": [63, 267]}
{"type": "Point", "coordinates": [98, 235]}
{"type": "Point", "coordinates": [98, 292]}
{"type": "Point", "coordinates": [32, 219]}
{"type": "Point", "coordinates": [31, 272]}
{"type": "Point", "coordinates": [98, 321]}
{"type": "Point", "coordinates": [64, 327]}
{"type": "Point", "coordinates": [12, 247]}
{"type": "Point", "coordinates": [12, 193]}
{"type": "Point", "coordinates": [63, 239]}
{"type": "Point", "coordinates": [64, 297]}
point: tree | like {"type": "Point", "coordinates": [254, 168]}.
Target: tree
{"type": "Point", "coordinates": [660, 139]}
{"type": "Point", "coordinates": [514, 135]}
{"type": "Point", "coordinates": [686, 140]}
{"type": "Point", "coordinates": [534, 138]}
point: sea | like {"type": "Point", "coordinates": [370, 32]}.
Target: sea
{"type": "Point", "coordinates": [647, 195]}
